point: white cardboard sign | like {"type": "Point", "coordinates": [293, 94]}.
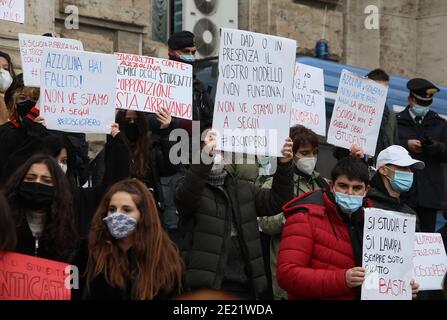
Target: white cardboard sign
{"type": "Point", "coordinates": [148, 84]}
{"type": "Point", "coordinates": [309, 103]}
{"type": "Point", "coordinates": [430, 261]}
{"type": "Point", "coordinates": [388, 242]}
{"type": "Point", "coordinates": [254, 92]}
{"type": "Point", "coordinates": [78, 91]}
{"type": "Point", "coordinates": [358, 113]}
{"type": "Point", "coordinates": [31, 50]}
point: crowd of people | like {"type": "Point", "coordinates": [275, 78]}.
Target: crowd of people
{"type": "Point", "coordinates": [138, 226]}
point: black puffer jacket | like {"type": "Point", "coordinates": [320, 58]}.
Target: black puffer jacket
{"type": "Point", "coordinates": [205, 223]}
{"type": "Point", "coordinates": [380, 199]}
{"type": "Point", "coordinates": [428, 190]}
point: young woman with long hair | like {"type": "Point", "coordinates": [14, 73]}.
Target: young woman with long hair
{"type": "Point", "coordinates": [41, 203]}
{"type": "Point", "coordinates": [128, 255]}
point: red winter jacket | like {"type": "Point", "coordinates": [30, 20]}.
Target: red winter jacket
{"type": "Point", "coordinates": [315, 250]}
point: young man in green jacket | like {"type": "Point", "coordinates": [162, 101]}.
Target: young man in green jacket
{"type": "Point", "coordinates": [306, 179]}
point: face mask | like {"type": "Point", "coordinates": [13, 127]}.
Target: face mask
{"type": "Point", "coordinates": [218, 165]}
{"type": "Point", "coordinates": [120, 225]}
{"type": "Point", "coordinates": [306, 165]}
{"type": "Point", "coordinates": [348, 203]}
{"type": "Point", "coordinates": [264, 162]}
{"type": "Point", "coordinates": [35, 195]}
{"type": "Point", "coordinates": [23, 108]}
{"type": "Point", "coordinates": [132, 132]}
{"type": "Point", "coordinates": [420, 111]}
{"type": "Point", "coordinates": [189, 59]}
{"type": "Point", "coordinates": [402, 181]}
{"type": "Point", "coordinates": [64, 167]}
{"type": "Point", "coordinates": [5, 80]}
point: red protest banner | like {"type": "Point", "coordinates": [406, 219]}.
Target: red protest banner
{"type": "Point", "coordinates": [24, 277]}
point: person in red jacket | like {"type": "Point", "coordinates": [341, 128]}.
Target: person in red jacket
{"type": "Point", "coordinates": [321, 245]}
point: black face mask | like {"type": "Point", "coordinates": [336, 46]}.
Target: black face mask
{"type": "Point", "coordinates": [132, 132]}
{"type": "Point", "coordinates": [36, 196]}
{"type": "Point", "coordinates": [23, 108]}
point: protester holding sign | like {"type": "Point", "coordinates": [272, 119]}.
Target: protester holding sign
{"type": "Point", "coordinates": [7, 228]}
{"type": "Point", "coordinates": [322, 240]}
{"type": "Point", "coordinates": [7, 75]}
{"type": "Point", "coordinates": [221, 245]}
{"type": "Point", "coordinates": [327, 220]}
{"type": "Point", "coordinates": [128, 255]}
{"type": "Point", "coordinates": [394, 176]}
{"type": "Point", "coordinates": [40, 200]}
{"type": "Point", "coordinates": [23, 134]}
{"type": "Point", "coordinates": [149, 155]}
{"type": "Point", "coordinates": [306, 179]}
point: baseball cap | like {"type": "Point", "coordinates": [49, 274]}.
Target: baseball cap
{"type": "Point", "coordinates": [398, 156]}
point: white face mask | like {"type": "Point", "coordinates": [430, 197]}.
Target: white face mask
{"type": "Point", "coordinates": [306, 165]}
{"type": "Point", "coordinates": [5, 80]}
{"type": "Point", "coordinates": [64, 167]}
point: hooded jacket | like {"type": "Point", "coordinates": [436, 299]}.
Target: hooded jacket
{"type": "Point", "coordinates": [206, 218]}
{"type": "Point", "coordinates": [318, 246]}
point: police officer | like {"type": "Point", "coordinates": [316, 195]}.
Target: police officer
{"type": "Point", "coordinates": [424, 134]}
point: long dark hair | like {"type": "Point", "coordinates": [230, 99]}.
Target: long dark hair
{"type": "Point", "coordinates": [159, 264]}
{"type": "Point", "coordinates": [140, 149]}
{"type": "Point", "coordinates": [8, 238]}
{"type": "Point", "coordinates": [59, 231]}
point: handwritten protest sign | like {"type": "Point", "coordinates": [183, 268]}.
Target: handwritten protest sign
{"type": "Point", "coordinates": [430, 261]}
{"type": "Point", "coordinates": [78, 91]}
{"type": "Point", "coordinates": [388, 242]}
{"type": "Point", "coordinates": [31, 50]}
{"type": "Point", "coordinates": [309, 105]}
{"type": "Point", "coordinates": [254, 92]}
{"type": "Point", "coordinates": [149, 84]}
{"type": "Point", "coordinates": [358, 112]}
{"type": "Point", "coordinates": [12, 10]}
{"type": "Point", "coordinates": [29, 278]}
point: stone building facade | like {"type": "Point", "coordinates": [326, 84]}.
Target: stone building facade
{"type": "Point", "coordinates": [409, 41]}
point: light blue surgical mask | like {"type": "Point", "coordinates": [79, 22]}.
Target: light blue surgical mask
{"type": "Point", "coordinates": [188, 58]}
{"type": "Point", "coordinates": [420, 111]}
{"type": "Point", "coordinates": [348, 203]}
{"type": "Point", "coordinates": [402, 181]}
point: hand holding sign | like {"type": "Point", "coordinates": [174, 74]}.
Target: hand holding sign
{"type": "Point", "coordinates": [356, 151]}
{"type": "Point", "coordinates": [287, 151]}
{"type": "Point", "coordinates": [414, 288]}
{"type": "Point", "coordinates": [164, 117]}
{"type": "Point", "coordinates": [115, 130]}
{"type": "Point", "coordinates": [354, 277]}
{"type": "Point", "coordinates": [210, 143]}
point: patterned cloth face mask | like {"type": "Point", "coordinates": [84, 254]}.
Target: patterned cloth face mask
{"type": "Point", "coordinates": [120, 225]}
